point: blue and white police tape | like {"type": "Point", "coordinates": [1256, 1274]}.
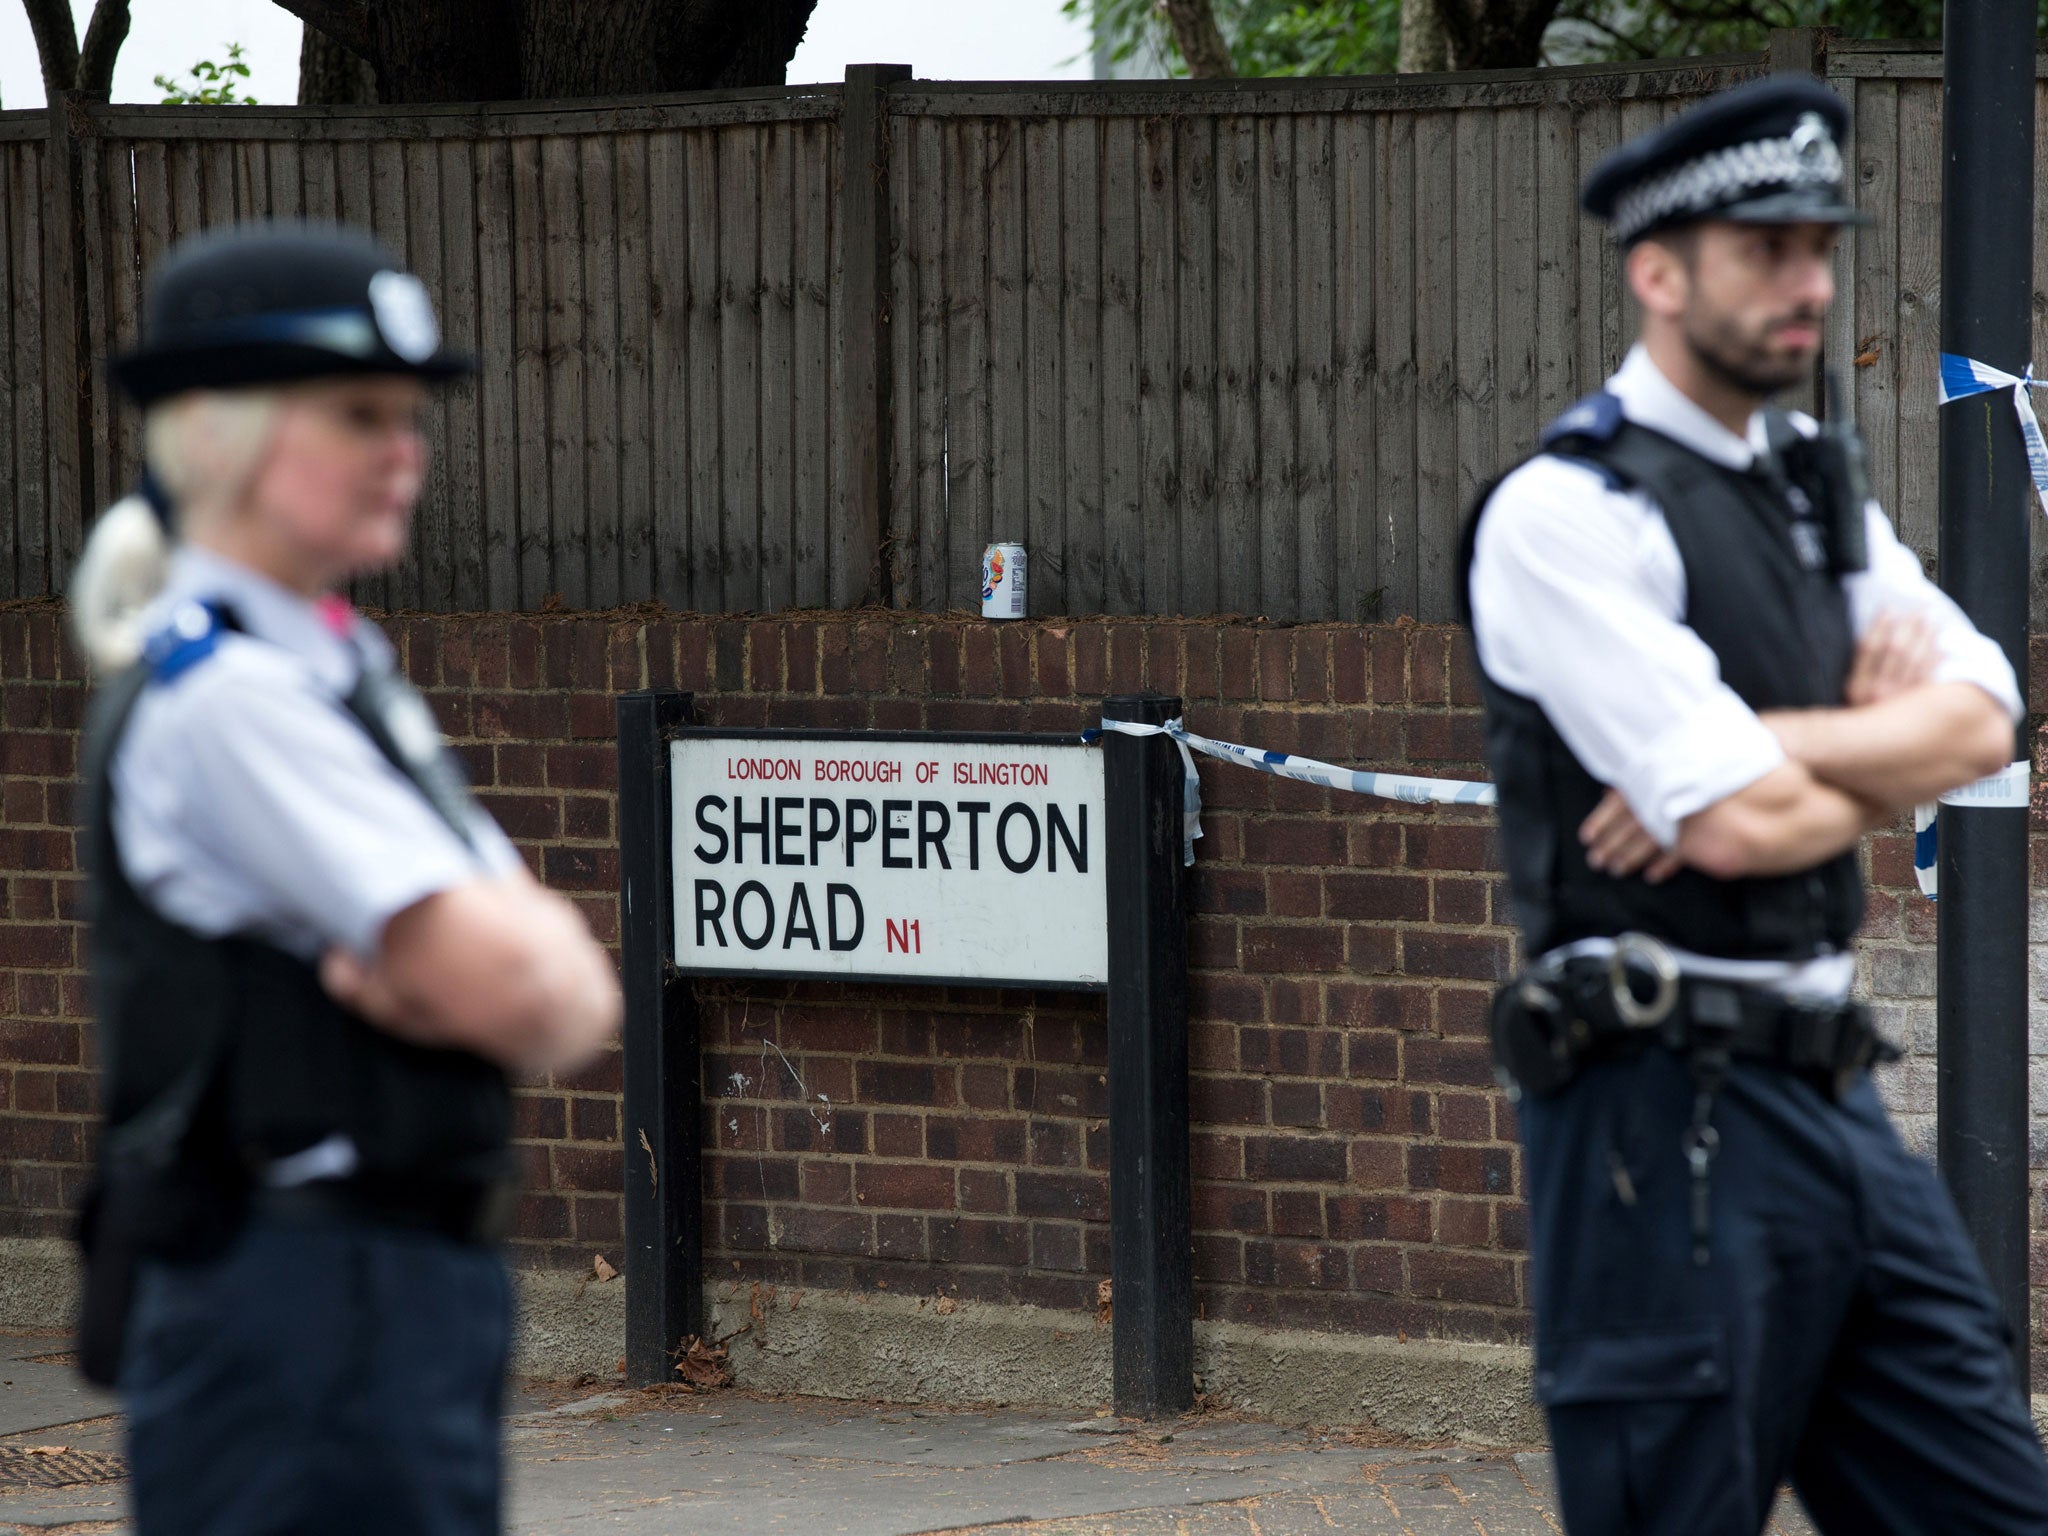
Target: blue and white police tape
{"type": "Point", "coordinates": [2009, 788]}
{"type": "Point", "coordinates": [1306, 770]}
{"type": "Point", "coordinates": [1962, 377]}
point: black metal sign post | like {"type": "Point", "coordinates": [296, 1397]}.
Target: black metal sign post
{"type": "Point", "coordinates": [1145, 964]}
{"type": "Point", "coordinates": [664, 1180]}
{"type": "Point", "coordinates": [1151, 1259]}
{"type": "Point", "coordinates": [1987, 251]}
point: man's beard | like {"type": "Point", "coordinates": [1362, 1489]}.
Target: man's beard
{"type": "Point", "coordinates": [1745, 366]}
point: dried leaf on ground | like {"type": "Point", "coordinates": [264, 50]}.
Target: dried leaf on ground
{"type": "Point", "coordinates": [703, 1365]}
{"type": "Point", "coordinates": [602, 1269]}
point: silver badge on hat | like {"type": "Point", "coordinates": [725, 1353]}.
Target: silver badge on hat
{"type": "Point", "coordinates": [1810, 138]}
{"type": "Point", "coordinates": [405, 315]}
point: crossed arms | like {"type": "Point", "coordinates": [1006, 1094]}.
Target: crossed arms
{"type": "Point", "coordinates": [1578, 594]}
{"type": "Point", "coordinates": [1899, 739]}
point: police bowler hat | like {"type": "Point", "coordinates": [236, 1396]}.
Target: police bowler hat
{"type": "Point", "coordinates": [278, 301]}
{"type": "Point", "coordinates": [1763, 153]}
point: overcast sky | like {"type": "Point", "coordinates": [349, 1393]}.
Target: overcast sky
{"type": "Point", "coordinates": [940, 39]}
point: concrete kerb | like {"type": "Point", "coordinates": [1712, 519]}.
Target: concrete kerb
{"type": "Point", "coordinates": [905, 1349]}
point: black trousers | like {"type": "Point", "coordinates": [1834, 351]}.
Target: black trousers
{"type": "Point", "coordinates": [322, 1376]}
{"type": "Point", "coordinates": [1842, 1334]}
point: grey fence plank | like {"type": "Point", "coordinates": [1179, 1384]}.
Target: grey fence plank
{"type": "Point", "coordinates": [1915, 495]}
{"type": "Point", "coordinates": [1195, 276]}
{"type": "Point", "coordinates": [461, 445]}
{"type": "Point", "coordinates": [1275, 383]}
{"type": "Point", "coordinates": [318, 180]}
{"type": "Point", "coordinates": [1599, 265]}
{"type": "Point", "coordinates": [1315, 341]}
{"type": "Point", "coordinates": [1122, 478]}
{"type": "Point", "coordinates": [1395, 372]}
{"type": "Point", "coordinates": [1237, 364]}
{"type": "Point", "coordinates": [1355, 488]}
{"type": "Point", "coordinates": [1438, 476]}
{"type": "Point", "coordinates": [1081, 277]}
{"type": "Point", "coordinates": [1515, 421]}
{"type": "Point", "coordinates": [1479, 257]}
{"type": "Point", "coordinates": [599, 450]}
{"type": "Point", "coordinates": [705, 233]}
{"type": "Point", "coordinates": [1044, 504]}
{"type": "Point", "coordinates": [1160, 461]}
{"type": "Point", "coordinates": [910, 407]}
{"type": "Point", "coordinates": [965, 527]}
{"type": "Point", "coordinates": [776, 327]}
{"type": "Point", "coordinates": [1009, 456]}
{"type": "Point", "coordinates": [566, 331]}
{"type": "Point", "coordinates": [1870, 268]}
{"type": "Point", "coordinates": [814, 510]}
{"type": "Point", "coordinates": [1557, 224]}
{"type": "Point", "coordinates": [431, 561]}
{"type": "Point", "coordinates": [497, 385]}
{"type": "Point", "coordinates": [739, 364]}
{"type": "Point", "coordinates": [668, 353]}
{"type": "Point", "coordinates": [635, 433]}
{"type": "Point", "coordinates": [534, 541]}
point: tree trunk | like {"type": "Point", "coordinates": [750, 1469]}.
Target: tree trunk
{"type": "Point", "coordinates": [1201, 43]}
{"type": "Point", "coordinates": [331, 75]}
{"type": "Point", "coordinates": [1423, 48]}
{"type": "Point", "coordinates": [446, 50]}
{"type": "Point", "coordinates": [495, 50]}
{"type": "Point", "coordinates": [1495, 34]}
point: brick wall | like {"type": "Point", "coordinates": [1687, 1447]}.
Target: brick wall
{"type": "Point", "coordinates": [1354, 1168]}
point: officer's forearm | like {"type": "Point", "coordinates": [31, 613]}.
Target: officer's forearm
{"type": "Point", "coordinates": [1905, 750]}
{"type": "Point", "coordinates": [1785, 822]}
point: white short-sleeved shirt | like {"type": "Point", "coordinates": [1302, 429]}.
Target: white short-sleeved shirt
{"type": "Point", "coordinates": [248, 801]}
{"type": "Point", "coordinates": [1578, 597]}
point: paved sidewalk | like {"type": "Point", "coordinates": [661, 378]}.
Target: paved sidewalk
{"type": "Point", "coordinates": [731, 1462]}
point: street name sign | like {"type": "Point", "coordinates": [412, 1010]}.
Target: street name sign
{"type": "Point", "coordinates": [871, 856]}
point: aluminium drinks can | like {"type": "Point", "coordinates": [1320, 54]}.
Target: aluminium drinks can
{"type": "Point", "coordinates": [1002, 581]}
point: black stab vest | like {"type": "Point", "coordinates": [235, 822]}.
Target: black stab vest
{"type": "Point", "coordinates": [1783, 637]}
{"type": "Point", "coordinates": [294, 1067]}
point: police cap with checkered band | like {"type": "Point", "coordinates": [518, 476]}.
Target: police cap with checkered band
{"type": "Point", "coordinates": [277, 301]}
{"type": "Point", "coordinates": [1764, 153]}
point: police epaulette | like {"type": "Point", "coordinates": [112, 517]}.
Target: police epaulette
{"type": "Point", "coordinates": [1596, 418]}
{"type": "Point", "coordinates": [187, 638]}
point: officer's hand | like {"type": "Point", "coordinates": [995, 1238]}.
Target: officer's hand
{"type": "Point", "coordinates": [1897, 652]}
{"type": "Point", "coordinates": [1616, 843]}
{"type": "Point", "coordinates": [362, 988]}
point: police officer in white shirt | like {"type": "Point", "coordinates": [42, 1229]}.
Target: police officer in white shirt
{"type": "Point", "coordinates": [1709, 667]}
{"type": "Point", "coordinates": [315, 960]}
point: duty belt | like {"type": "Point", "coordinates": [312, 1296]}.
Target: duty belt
{"type": "Point", "coordinates": [1557, 1016]}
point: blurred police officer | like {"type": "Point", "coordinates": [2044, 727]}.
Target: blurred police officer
{"type": "Point", "coordinates": [1709, 667]}
{"type": "Point", "coordinates": [314, 959]}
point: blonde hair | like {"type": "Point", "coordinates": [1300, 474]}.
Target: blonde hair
{"type": "Point", "coordinates": [203, 447]}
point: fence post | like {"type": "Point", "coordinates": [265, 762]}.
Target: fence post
{"type": "Point", "coordinates": [664, 1182]}
{"type": "Point", "coordinates": [1152, 1342]}
{"type": "Point", "coordinates": [67, 345]}
{"type": "Point", "coordinates": [860, 564]}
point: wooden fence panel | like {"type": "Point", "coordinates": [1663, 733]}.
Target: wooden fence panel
{"type": "Point", "coordinates": [649, 291]}
{"type": "Point", "coordinates": [1205, 347]}
{"type": "Point", "coordinates": [1300, 325]}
